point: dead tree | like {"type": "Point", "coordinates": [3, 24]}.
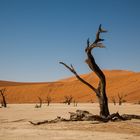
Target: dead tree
{"type": "Point", "coordinates": [113, 100]}
{"type": "Point", "coordinates": [49, 99]}
{"type": "Point", "coordinates": [3, 102]}
{"type": "Point", "coordinates": [40, 103]}
{"type": "Point", "coordinates": [75, 102]}
{"type": "Point", "coordinates": [100, 92]}
{"type": "Point", "coordinates": [101, 89]}
{"type": "Point", "coordinates": [68, 99]}
{"type": "Point", "coordinates": [82, 115]}
{"type": "Point", "coordinates": [121, 98]}
{"type": "Point", "coordinates": [92, 101]}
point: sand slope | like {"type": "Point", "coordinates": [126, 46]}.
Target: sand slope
{"type": "Point", "coordinates": [123, 82]}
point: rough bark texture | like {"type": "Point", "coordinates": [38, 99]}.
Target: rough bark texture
{"type": "Point", "coordinates": [103, 101]}
{"type": "Point", "coordinates": [121, 98]}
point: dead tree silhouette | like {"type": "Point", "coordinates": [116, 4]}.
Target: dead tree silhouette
{"type": "Point", "coordinates": [75, 102]}
{"type": "Point", "coordinates": [68, 99]}
{"type": "Point", "coordinates": [49, 100]}
{"type": "Point", "coordinates": [113, 100]}
{"type": "Point", "coordinates": [101, 89]}
{"type": "Point", "coordinates": [3, 102]}
{"type": "Point", "coordinates": [121, 98]}
{"type": "Point", "coordinates": [40, 103]}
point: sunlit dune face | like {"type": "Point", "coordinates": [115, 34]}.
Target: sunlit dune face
{"type": "Point", "coordinates": [118, 82]}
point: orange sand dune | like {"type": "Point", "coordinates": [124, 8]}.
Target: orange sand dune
{"type": "Point", "coordinates": [118, 81]}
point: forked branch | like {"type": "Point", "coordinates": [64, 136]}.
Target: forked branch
{"type": "Point", "coordinates": [68, 99]}
{"type": "Point", "coordinates": [80, 79]}
{"type": "Point", "coordinates": [96, 43]}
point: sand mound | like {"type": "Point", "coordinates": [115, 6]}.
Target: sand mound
{"type": "Point", "coordinates": [118, 81]}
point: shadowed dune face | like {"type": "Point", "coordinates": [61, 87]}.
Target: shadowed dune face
{"type": "Point", "coordinates": [122, 82]}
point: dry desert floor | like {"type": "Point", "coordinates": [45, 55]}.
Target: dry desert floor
{"type": "Point", "coordinates": [14, 123]}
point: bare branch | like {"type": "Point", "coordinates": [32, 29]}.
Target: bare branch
{"type": "Point", "coordinates": [121, 98]}
{"type": "Point", "coordinates": [100, 30]}
{"type": "Point", "coordinates": [81, 79]}
{"type": "Point", "coordinates": [96, 43]}
{"type": "Point", "coordinates": [88, 43]}
{"type": "Point", "coordinates": [68, 99]}
{"type": "Point", "coordinates": [70, 68]}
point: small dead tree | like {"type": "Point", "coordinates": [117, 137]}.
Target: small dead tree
{"type": "Point", "coordinates": [92, 101]}
{"type": "Point", "coordinates": [121, 98]}
{"type": "Point", "coordinates": [68, 99]}
{"type": "Point", "coordinates": [113, 100]}
{"type": "Point", "coordinates": [3, 101]}
{"type": "Point", "coordinates": [49, 100]}
{"type": "Point", "coordinates": [40, 103]}
{"type": "Point", "coordinates": [101, 89]}
{"type": "Point", "coordinates": [75, 102]}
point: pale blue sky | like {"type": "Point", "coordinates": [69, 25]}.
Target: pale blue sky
{"type": "Point", "coordinates": [36, 34]}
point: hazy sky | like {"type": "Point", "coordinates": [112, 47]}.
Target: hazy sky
{"type": "Point", "coordinates": [36, 34]}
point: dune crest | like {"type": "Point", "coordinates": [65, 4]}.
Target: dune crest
{"type": "Point", "coordinates": [118, 81]}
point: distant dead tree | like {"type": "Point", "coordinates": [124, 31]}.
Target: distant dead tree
{"type": "Point", "coordinates": [100, 91]}
{"type": "Point", "coordinates": [121, 98]}
{"type": "Point", "coordinates": [68, 99]}
{"type": "Point", "coordinates": [49, 100]}
{"type": "Point", "coordinates": [3, 101]}
{"type": "Point", "coordinates": [113, 100]}
{"type": "Point", "coordinates": [75, 102]}
{"type": "Point", "coordinates": [40, 103]}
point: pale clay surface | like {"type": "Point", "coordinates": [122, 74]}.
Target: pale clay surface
{"type": "Point", "coordinates": [14, 123]}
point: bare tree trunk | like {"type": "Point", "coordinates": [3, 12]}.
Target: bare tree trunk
{"type": "Point", "coordinates": [101, 89]}
{"type": "Point", "coordinates": [4, 103]}
{"type": "Point", "coordinates": [49, 100]}
{"type": "Point", "coordinates": [103, 100]}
